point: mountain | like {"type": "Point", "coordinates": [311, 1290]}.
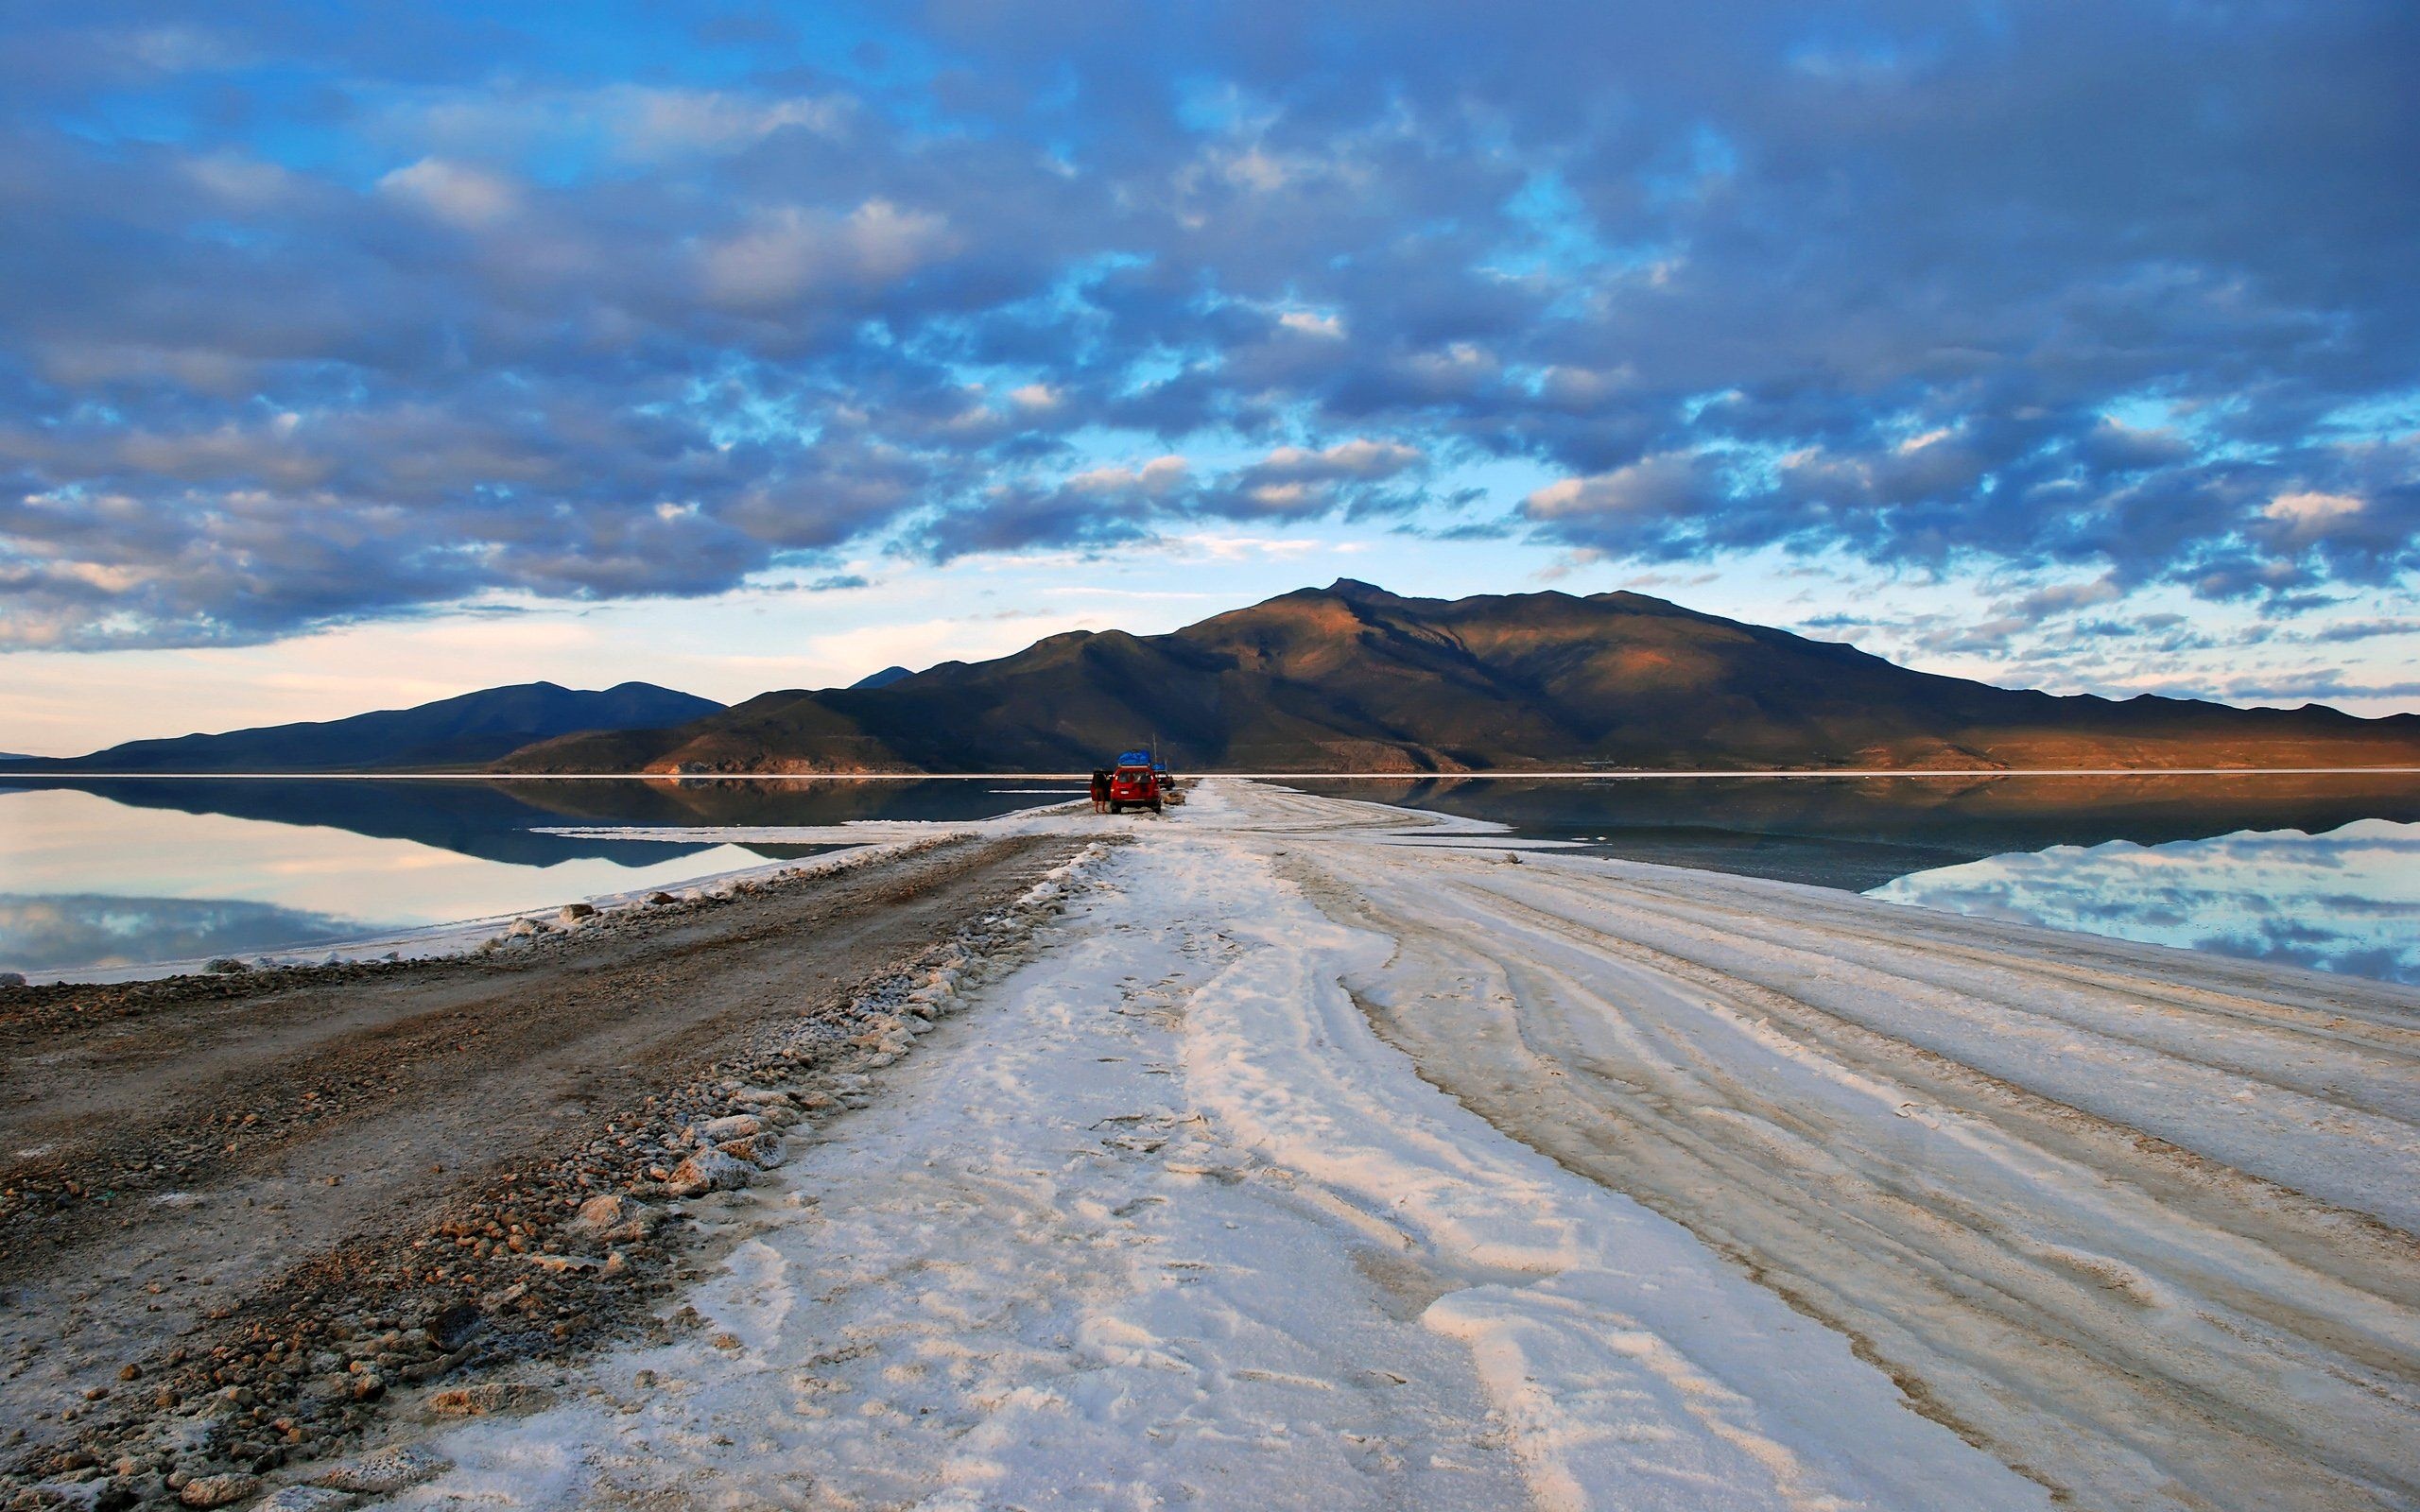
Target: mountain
{"type": "Point", "coordinates": [1351, 677]}
{"type": "Point", "coordinates": [883, 678]}
{"type": "Point", "coordinates": [467, 731]}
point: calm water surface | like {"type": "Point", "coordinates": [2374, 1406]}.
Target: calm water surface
{"type": "Point", "coordinates": [2319, 871]}
{"type": "Point", "coordinates": [119, 873]}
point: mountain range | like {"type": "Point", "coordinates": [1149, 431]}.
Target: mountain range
{"type": "Point", "coordinates": [1351, 677]}
{"type": "Point", "coordinates": [1347, 678]}
{"type": "Point", "coordinates": [464, 731]}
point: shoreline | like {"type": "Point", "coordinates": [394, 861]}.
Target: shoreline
{"type": "Point", "coordinates": [450, 938]}
{"type": "Point", "coordinates": [442, 938]}
{"type": "Point", "coordinates": [852, 846]}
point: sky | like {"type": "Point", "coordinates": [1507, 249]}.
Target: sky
{"type": "Point", "coordinates": [358, 354]}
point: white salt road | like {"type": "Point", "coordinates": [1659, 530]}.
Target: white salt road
{"type": "Point", "coordinates": [1307, 1167]}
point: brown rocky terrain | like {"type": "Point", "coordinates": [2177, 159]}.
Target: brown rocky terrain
{"type": "Point", "coordinates": [241, 1216]}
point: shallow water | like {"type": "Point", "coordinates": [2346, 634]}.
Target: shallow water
{"type": "Point", "coordinates": [2346, 901]}
{"type": "Point", "coordinates": [119, 873]}
{"type": "Point", "coordinates": [2315, 870]}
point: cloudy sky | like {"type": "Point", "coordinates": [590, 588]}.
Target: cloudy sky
{"type": "Point", "coordinates": [354, 355]}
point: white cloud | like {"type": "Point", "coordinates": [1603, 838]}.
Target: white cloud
{"type": "Point", "coordinates": [1358, 458]}
{"type": "Point", "coordinates": [1158, 477]}
{"type": "Point", "coordinates": [1247, 548]}
{"type": "Point", "coordinates": [796, 250]}
{"type": "Point", "coordinates": [2060, 598]}
{"type": "Point", "coordinates": [654, 123]}
{"type": "Point", "coordinates": [1667, 483]}
{"type": "Point", "coordinates": [2307, 517]}
{"type": "Point", "coordinates": [454, 193]}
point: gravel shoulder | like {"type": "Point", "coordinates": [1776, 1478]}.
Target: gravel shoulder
{"type": "Point", "coordinates": [236, 1212]}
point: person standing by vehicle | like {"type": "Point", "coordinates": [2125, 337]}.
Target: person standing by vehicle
{"type": "Point", "coordinates": [1100, 790]}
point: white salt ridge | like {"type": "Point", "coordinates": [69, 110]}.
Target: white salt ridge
{"type": "Point", "coordinates": [1932, 1131]}
{"type": "Point", "coordinates": [1627, 1359]}
{"type": "Point", "coordinates": [1166, 1222]}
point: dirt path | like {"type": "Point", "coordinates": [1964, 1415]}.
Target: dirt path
{"type": "Point", "coordinates": [180, 1159]}
{"type": "Point", "coordinates": [1160, 1223]}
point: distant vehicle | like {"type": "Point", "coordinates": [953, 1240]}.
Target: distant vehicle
{"type": "Point", "coordinates": [1169, 793]}
{"type": "Point", "coordinates": [1134, 784]}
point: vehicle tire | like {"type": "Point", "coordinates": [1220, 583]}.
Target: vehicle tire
{"type": "Point", "coordinates": [1118, 808]}
{"type": "Point", "coordinates": [1155, 805]}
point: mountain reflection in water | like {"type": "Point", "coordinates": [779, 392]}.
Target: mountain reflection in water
{"type": "Point", "coordinates": [118, 872]}
{"type": "Point", "coordinates": [2313, 870]}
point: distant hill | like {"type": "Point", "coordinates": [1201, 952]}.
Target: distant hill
{"type": "Point", "coordinates": [1352, 677]}
{"type": "Point", "coordinates": [883, 678]}
{"type": "Point", "coordinates": [464, 731]}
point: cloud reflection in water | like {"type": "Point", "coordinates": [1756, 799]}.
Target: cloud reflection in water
{"type": "Point", "coordinates": [2347, 901]}
{"type": "Point", "coordinates": [59, 932]}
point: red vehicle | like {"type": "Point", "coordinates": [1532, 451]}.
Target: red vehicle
{"type": "Point", "coordinates": [1134, 784]}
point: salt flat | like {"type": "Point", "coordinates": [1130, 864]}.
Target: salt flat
{"type": "Point", "coordinates": [1305, 1166]}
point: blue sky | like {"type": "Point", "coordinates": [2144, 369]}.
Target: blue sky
{"type": "Point", "coordinates": [359, 355]}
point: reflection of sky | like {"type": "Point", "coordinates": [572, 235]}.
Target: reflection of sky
{"type": "Point", "coordinates": [2347, 901]}
{"type": "Point", "coordinates": [79, 868]}
{"type": "Point", "coordinates": [64, 932]}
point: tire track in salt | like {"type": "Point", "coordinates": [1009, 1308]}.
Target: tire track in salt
{"type": "Point", "coordinates": [2034, 1274]}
